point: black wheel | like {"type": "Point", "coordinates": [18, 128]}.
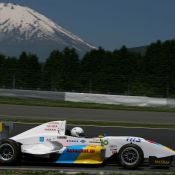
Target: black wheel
{"type": "Point", "coordinates": [9, 152]}
{"type": "Point", "coordinates": [131, 156]}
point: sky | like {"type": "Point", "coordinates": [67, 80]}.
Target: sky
{"type": "Point", "coordinates": [111, 23]}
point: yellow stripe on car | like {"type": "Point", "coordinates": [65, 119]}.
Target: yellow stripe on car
{"type": "Point", "coordinates": [169, 148]}
{"type": "Point", "coordinates": [91, 155]}
{"type": "Point", "coordinates": [1, 127]}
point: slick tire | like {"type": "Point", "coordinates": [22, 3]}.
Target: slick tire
{"type": "Point", "coordinates": [131, 156]}
{"type": "Point", "coordinates": [10, 152]}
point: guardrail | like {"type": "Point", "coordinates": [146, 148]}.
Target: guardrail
{"type": "Point", "coordinates": [116, 99]}
{"type": "Point", "coordinates": [50, 95]}
{"type": "Point", "coordinates": [89, 98]}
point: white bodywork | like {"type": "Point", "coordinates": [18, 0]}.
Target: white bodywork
{"type": "Point", "coordinates": [50, 138]}
{"type": "Point", "coordinates": [148, 148]}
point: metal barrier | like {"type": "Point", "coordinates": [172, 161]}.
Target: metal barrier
{"type": "Point", "coordinates": [5, 129]}
{"type": "Point", "coordinates": [89, 98]}
{"type": "Point", "coordinates": [119, 99]}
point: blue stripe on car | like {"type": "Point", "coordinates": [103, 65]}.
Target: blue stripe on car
{"type": "Point", "coordinates": [70, 157]}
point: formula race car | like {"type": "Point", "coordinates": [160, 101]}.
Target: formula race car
{"type": "Point", "coordinates": [51, 142]}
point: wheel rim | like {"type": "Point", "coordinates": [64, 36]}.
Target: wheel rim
{"type": "Point", "coordinates": [6, 152]}
{"type": "Point", "coordinates": [130, 156]}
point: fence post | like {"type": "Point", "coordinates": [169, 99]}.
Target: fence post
{"type": "Point", "coordinates": [1, 129]}
{"type": "Point", "coordinates": [5, 129]}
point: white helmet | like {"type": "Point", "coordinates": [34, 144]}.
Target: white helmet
{"type": "Point", "coordinates": [77, 132]}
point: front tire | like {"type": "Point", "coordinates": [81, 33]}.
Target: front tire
{"type": "Point", "coordinates": [9, 152]}
{"type": "Point", "coordinates": [130, 156]}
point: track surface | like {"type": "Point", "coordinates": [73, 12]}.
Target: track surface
{"type": "Point", "coordinates": [84, 114]}
{"type": "Point", "coordinates": [164, 136]}
{"type": "Point", "coordinates": [85, 169]}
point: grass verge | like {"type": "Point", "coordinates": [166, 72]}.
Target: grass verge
{"type": "Point", "coordinates": [50, 172]}
{"type": "Point", "coordinates": [95, 123]}
{"type": "Point", "coordinates": [54, 103]}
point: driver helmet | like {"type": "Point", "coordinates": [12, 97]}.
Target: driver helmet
{"type": "Point", "coordinates": [77, 132]}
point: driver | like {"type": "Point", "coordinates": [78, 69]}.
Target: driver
{"type": "Point", "coordinates": [77, 132]}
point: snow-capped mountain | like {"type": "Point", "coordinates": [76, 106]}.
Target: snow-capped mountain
{"type": "Point", "coordinates": [23, 29]}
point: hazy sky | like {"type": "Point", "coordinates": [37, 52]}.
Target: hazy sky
{"type": "Point", "coordinates": [111, 23]}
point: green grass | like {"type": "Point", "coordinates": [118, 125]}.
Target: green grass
{"type": "Point", "coordinates": [50, 172]}
{"type": "Point", "coordinates": [89, 122]}
{"type": "Point", "coordinates": [55, 103]}
{"type": "Point", "coordinates": [123, 124]}
{"type": "Point", "coordinates": [52, 103]}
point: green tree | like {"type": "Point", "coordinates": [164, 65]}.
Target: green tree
{"type": "Point", "coordinates": [2, 70]}
{"type": "Point", "coordinates": [70, 70]}
{"type": "Point", "coordinates": [51, 77]}
{"type": "Point", "coordinates": [28, 71]}
{"type": "Point", "coordinates": [61, 71]}
{"type": "Point", "coordinates": [159, 66]}
{"type": "Point", "coordinates": [96, 70]}
{"type": "Point", "coordinates": [10, 72]}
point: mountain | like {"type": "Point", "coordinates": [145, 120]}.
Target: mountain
{"type": "Point", "coordinates": [23, 29]}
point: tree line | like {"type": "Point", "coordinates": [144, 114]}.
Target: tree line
{"type": "Point", "coordinates": [99, 71]}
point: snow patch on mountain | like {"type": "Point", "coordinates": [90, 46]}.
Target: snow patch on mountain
{"type": "Point", "coordinates": [19, 23]}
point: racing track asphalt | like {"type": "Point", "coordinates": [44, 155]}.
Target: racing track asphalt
{"type": "Point", "coordinates": [86, 169]}
{"type": "Point", "coordinates": [164, 136]}
{"type": "Point", "coordinates": [57, 113]}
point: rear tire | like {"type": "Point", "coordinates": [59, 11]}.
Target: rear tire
{"type": "Point", "coordinates": [131, 156]}
{"type": "Point", "coordinates": [9, 152]}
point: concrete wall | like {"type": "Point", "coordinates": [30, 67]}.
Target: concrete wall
{"type": "Point", "coordinates": [32, 94]}
{"type": "Point", "coordinates": [117, 99]}
{"type": "Point", "coordinates": [89, 98]}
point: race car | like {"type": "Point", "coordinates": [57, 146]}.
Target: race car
{"type": "Point", "coordinates": [52, 142]}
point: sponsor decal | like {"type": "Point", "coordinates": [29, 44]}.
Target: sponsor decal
{"type": "Point", "coordinates": [95, 142]}
{"type": "Point", "coordinates": [113, 146]}
{"type": "Point", "coordinates": [48, 139]}
{"type": "Point", "coordinates": [52, 126]}
{"type": "Point", "coordinates": [41, 139]}
{"type": "Point", "coordinates": [105, 142]}
{"type": "Point", "coordinates": [90, 151]}
{"type": "Point", "coordinates": [72, 141]}
{"type": "Point", "coordinates": [133, 140]}
{"type": "Point", "coordinates": [61, 137]}
{"type": "Point", "coordinates": [81, 154]}
{"type": "Point", "coordinates": [113, 149]}
{"type": "Point", "coordinates": [162, 162]}
{"type": "Point", "coordinates": [50, 129]}
{"type": "Point", "coordinates": [51, 139]}
{"type": "Point", "coordinates": [82, 141]}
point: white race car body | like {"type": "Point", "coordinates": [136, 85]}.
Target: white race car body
{"type": "Point", "coordinates": [51, 139]}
